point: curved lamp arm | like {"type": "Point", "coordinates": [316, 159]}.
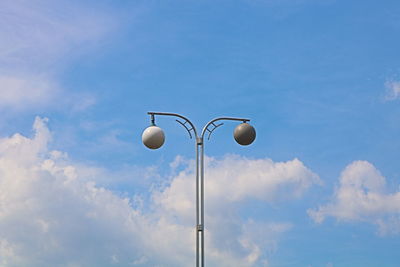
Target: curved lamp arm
{"type": "Point", "coordinates": [212, 122]}
{"type": "Point", "coordinates": [206, 127]}
{"type": "Point", "coordinates": [152, 114]}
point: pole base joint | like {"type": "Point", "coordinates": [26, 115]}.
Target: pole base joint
{"type": "Point", "coordinates": [199, 227]}
{"type": "Point", "coordinates": [199, 141]}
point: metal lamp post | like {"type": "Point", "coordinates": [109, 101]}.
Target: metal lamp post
{"type": "Point", "coordinates": [153, 137]}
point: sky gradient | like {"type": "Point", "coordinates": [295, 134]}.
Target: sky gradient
{"type": "Point", "coordinates": [320, 81]}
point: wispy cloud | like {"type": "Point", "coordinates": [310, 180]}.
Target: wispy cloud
{"type": "Point", "coordinates": [68, 220]}
{"type": "Point", "coordinates": [22, 91]}
{"type": "Point", "coordinates": [392, 90]}
{"type": "Point", "coordinates": [361, 197]}
{"type": "Point", "coordinates": [35, 38]}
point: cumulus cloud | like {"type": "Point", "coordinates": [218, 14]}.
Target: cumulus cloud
{"type": "Point", "coordinates": [392, 90]}
{"type": "Point", "coordinates": [234, 179]}
{"type": "Point", "coordinates": [53, 213]}
{"type": "Point", "coordinates": [34, 37]}
{"type": "Point", "coordinates": [228, 182]}
{"type": "Point", "coordinates": [362, 196]}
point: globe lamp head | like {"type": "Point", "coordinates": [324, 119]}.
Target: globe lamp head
{"type": "Point", "coordinates": [153, 137]}
{"type": "Point", "coordinates": [244, 134]}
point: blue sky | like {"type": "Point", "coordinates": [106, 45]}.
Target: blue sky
{"type": "Point", "coordinates": [320, 81]}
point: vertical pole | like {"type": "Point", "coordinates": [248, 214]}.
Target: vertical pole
{"type": "Point", "coordinates": [199, 202]}
{"type": "Point", "coordinates": [202, 201]}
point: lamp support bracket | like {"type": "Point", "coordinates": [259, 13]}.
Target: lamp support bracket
{"type": "Point", "coordinates": [187, 128]}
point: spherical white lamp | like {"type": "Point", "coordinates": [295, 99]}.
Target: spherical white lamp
{"type": "Point", "coordinates": [244, 134]}
{"type": "Point", "coordinates": [153, 137]}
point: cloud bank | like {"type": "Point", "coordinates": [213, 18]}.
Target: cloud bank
{"type": "Point", "coordinates": [362, 197]}
{"type": "Point", "coordinates": [52, 213]}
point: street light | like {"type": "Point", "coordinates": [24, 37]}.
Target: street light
{"type": "Point", "coordinates": [153, 137]}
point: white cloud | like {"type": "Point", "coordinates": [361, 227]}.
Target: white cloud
{"type": "Point", "coordinates": [234, 179]}
{"type": "Point", "coordinates": [361, 196]}
{"type": "Point", "coordinates": [52, 213]}
{"type": "Point", "coordinates": [35, 38]}
{"type": "Point", "coordinates": [35, 33]}
{"type": "Point", "coordinates": [392, 90]}
{"type": "Point", "coordinates": [228, 182]}
{"type": "Point", "coordinates": [23, 91]}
